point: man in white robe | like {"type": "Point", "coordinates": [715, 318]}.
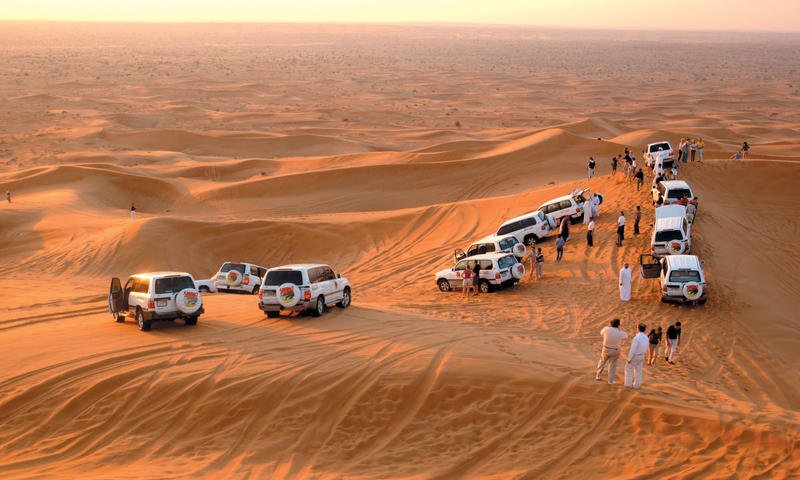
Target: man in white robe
{"type": "Point", "coordinates": [634, 368]}
{"type": "Point", "coordinates": [625, 283]}
{"type": "Point", "coordinates": [587, 211]}
{"type": "Point", "coordinates": [595, 205]}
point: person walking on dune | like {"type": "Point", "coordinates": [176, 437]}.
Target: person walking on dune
{"type": "Point", "coordinates": [612, 343]}
{"type": "Point", "coordinates": [590, 233]}
{"type": "Point", "coordinates": [637, 219]}
{"type": "Point", "coordinates": [625, 283]}
{"type": "Point", "coordinates": [620, 228]}
{"type": "Point", "coordinates": [673, 341]}
{"type": "Point", "coordinates": [8, 195]}
{"type": "Point", "coordinates": [133, 212]}
{"type": "Point", "coordinates": [614, 165]}
{"type": "Point", "coordinates": [654, 339]}
{"type": "Point", "coordinates": [559, 249]}
{"type": "Point", "coordinates": [639, 179]}
{"type": "Point", "coordinates": [591, 167]}
{"type": "Point", "coordinates": [634, 371]}
{"type": "Point", "coordinates": [539, 263]}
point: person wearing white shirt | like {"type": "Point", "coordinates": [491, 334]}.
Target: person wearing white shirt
{"type": "Point", "coordinates": [620, 228]}
{"type": "Point", "coordinates": [625, 283]}
{"type": "Point", "coordinates": [612, 343]}
{"type": "Point", "coordinates": [635, 365]}
{"type": "Point", "coordinates": [590, 232]}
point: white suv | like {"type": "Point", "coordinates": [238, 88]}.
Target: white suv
{"type": "Point", "coordinates": [493, 244]}
{"type": "Point", "coordinates": [659, 153]}
{"type": "Point", "coordinates": [303, 287]}
{"type": "Point", "coordinates": [497, 270]}
{"type": "Point", "coordinates": [672, 191]}
{"type": "Point", "coordinates": [149, 297]}
{"type": "Point", "coordinates": [239, 277]}
{"type": "Point", "coordinates": [527, 228]}
{"type": "Point", "coordinates": [681, 276]}
{"type": "Point", "coordinates": [672, 232]}
{"type": "Point", "coordinates": [567, 206]}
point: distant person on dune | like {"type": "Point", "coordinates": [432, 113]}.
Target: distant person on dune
{"type": "Point", "coordinates": [637, 219]}
{"type": "Point", "coordinates": [633, 167]}
{"type": "Point", "coordinates": [8, 195]}
{"type": "Point", "coordinates": [590, 233]}
{"type": "Point", "coordinates": [612, 343]}
{"type": "Point", "coordinates": [591, 167]}
{"type": "Point", "coordinates": [559, 249]}
{"type": "Point", "coordinates": [639, 179]}
{"type": "Point", "coordinates": [655, 341]}
{"type": "Point", "coordinates": [634, 372]}
{"type": "Point", "coordinates": [675, 168]}
{"type": "Point", "coordinates": [539, 263]}
{"type": "Point", "coordinates": [685, 151]}
{"type": "Point", "coordinates": [745, 149]}
{"type": "Point", "coordinates": [620, 228]}
{"type": "Point", "coordinates": [673, 341]}
{"type": "Point", "coordinates": [625, 283]}
{"type": "Point", "coordinates": [614, 165]}
{"type": "Point", "coordinates": [693, 148]}
{"type": "Point", "coordinates": [133, 212]}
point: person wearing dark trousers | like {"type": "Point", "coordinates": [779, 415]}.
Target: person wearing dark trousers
{"type": "Point", "coordinates": [590, 232]}
{"type": "Point", "coordinates": [559, 249]}
{"type": "Point", "coordinates": [637, 219]}
{"type": "Point", "coordinates": [620, 228]}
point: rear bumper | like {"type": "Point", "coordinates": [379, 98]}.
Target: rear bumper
{"type": "Point", "coordinates": [153, 316]}
{"type": "Point", "coordinates": [682, 299]}
{"type": "Point", "coordinates": [275, 307]}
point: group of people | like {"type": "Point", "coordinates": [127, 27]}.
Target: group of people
{"type": "Point", "coordinates": [471, 278]}
{"type": "Point", "coordinates": [690, 147]}
{"type": "Point", "coordinates": [743, 152]}
{"type": "Point", "coordinates": [644, 348]}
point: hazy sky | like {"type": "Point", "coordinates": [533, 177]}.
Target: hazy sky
{"type": "Point", "coordinates": [664, 14]}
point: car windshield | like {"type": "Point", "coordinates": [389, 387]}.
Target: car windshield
{"type": "Point", "coordinates": [279, 277]}
{"type": "Point", "coordinates": [227, 267]}
{"type": "Point", "coordinates": [679, 193]}
{"type": "Point", "coordinates": [507, 243]}
{"type": "Point", "coordinates": [506, 262]}
{"type": "Point", "coordinates": [682, 276]}
{"type": "Point", "coordinates": [173, 284]}
{"type": "Point", "coordinates": [667, 235]}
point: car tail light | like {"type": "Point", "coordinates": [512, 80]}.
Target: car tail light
{"type": "Point", "coordinates": [261, 295]}
{"type": "Point", "coordinates": [307, 294]}
{"type": "Point", "coordinates": [151, 305]}
{"type": "Point", "coordinates": [664, 289]}
{"type": "Point", "coordinates": [653, 249]}
{"type": "Point", "coordinates": [247, 280]}
{"type": "Point", "coordinates": [497, 276]}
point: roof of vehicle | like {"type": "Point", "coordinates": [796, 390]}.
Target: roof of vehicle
{"type": "Point", "coordinates": [521, 217]}
{"type": "Point", "coordinates": [557, 199]}
{"type": "Point", "coordinates": [668, 223]}
{"type": "Point", "coordinates": [491, 239]}
{"type": "Point", "coordinates": [672, 210]}
{"type": "Point", "coordinates": [488, 256]}
{"type": "Point", "coordinates": [299, 266]}
{"type": "Point", "coordinates": [670, 184]}
{"type": "Point", "coordinates": [685, 262]}
{"type": "Point", "coordinates": [160, 274]}
{"type": "Point", "coordinates": [660, 141]}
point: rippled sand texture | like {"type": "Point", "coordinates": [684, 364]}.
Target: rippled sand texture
{"type": "Point", "coordinates": [380, 150]}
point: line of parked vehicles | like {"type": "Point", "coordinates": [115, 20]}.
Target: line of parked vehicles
{"type": "Point", "coordinates": [680, 274]}
{"type": "Point", "coordinates": [168, 296]}
{"type": "Point", "coordinates": [499, 255]}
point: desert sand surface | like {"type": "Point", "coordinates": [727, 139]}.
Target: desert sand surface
{"type": "Point", "coordinates": [379, 150]}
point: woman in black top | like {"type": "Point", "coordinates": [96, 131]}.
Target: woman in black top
{"type": "Point", "coordinates": [655, 340]}
{"type": "Point", "coordinates": [476, 277]}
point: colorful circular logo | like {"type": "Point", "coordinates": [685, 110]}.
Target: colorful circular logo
{"type": "Point", "coordinates": [676, 247]}
{"type": "Point", "coordinates": [232, 276]}
{"type": "Point", "coordinates": [190, 298]}
{"type": "Point", "coordinates": [287, 294]}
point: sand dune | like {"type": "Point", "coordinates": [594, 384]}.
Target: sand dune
{"type": "Point", "coordinates": [380, 150]}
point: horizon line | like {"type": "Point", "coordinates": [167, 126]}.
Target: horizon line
{"type": "Point", "coordinates": [403, 23]}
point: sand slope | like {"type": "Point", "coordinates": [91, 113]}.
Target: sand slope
{"type": "Point", "coordinates": [340, 145]}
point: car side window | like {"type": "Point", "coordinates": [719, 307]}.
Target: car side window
{"type": "Point", "coordinates": [313, 275]}
{"type": "Point", "coordinates": [565, 204]}
{"type": "Point", "coordinates": [528, 222]}
{"type": "Point", "coordinates": [327, 274]}
{"type": "Point", "coordinates": [486, 264]}
{"type": "Point", "coordinates": [461, 265]}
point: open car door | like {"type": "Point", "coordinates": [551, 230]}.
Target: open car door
{"type": "Point", "coordinates": [459, 254]}
{"type": "Point", "coordinates": [649, 265]}
{"type": "Point", "coordinates": [116, 302]}
{"type": "Point", "coordinates": [551, 221]}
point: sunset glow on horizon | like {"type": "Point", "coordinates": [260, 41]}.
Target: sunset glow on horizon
{"type": "Point", "coordinates": [774, 15]}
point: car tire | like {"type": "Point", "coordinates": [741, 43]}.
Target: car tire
{"type": "Point", "coordinates": [120, 318]}
{"type": "Point", "coordinates": [255, 289]}
{"type": "Point", "coordinates": [273, 314]}
{"type": "Point", "coordinates": [702, 301]}
{"type": "Point", "coordinates": [345, 301]}
{"type": "Point", "coordinates": [444, 285]}
{"type": "Point", "coordinates": [144, 325]}
{"type": "Point", "coordinates": [190, 321]}
{"type": "Point", "coordinates": [484, 287]}
{"type": "Point", "coordinates": [531, 240]}
{"type": "Point", "coordinates": [319, 307]}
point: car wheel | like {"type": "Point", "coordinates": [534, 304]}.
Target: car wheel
{"type": "Point", "coordinates": [531, 240]}
{"type": "Point", "coordinates": [144, 325]}
{"type": "Point", "coordinates": [444, 285]}
{"type": "Point", "coordinates": [345, 301]}
{"type": "Point", "coordinates": [484, 287]}
{"type": "Point", "coordinates": [319, 307]}
{"type": "Point", "coordinates": [120, 318]}
{"type": "Point", "coordinates": [702, 301]}
{"type": "Point", "coordinates": [255, 289]}
{"type": "Point", "coordinates": [273, 314]}
{"type": "Point", "coordinates": [191, 321]}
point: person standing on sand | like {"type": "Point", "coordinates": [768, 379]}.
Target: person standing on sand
{"type": "Point", "coordinates": [590, 232]}
{"type": "Point", "coordinates": [467, 281]}
{"type": "Point", "coordinates": [530, 259]}
{"type": "Point", "coordinates": [587, 210]}
{"type": "Point", "coordinates": [633, 167]}
{"type": "Point", "coordinates": [625, 283]}
{"type": "Point", "coordinates": [612, 343]}
{"type": "Point", "coordinates": [539, 262]}
{"type": "Point", "coordinates": [591, 167]}
{"type": "Point", "coordinates": [655, 339]}
{"type": "Point", "coordinates": [634, 372]}
{"type": "Point", "coordinates": [614, 165]}
{"type": "Point", "coordinates": [639, 179]}
{"type": "Point", "coordinates": [685, 151]}
{"type": "Point", "coordinates": [133, 212]}
{"type": "Point", "coordinates": [559, 249]}
{"type": "Point", "coordinates": [595, 205]}
{"type": "Point", "coordinates": [700, 146]}
{"type": "Point", "coordinates": [476, 277]}
{"type": "Point", "coordinates": [673, 341]}
{"type": "Point", "coordinates": [620, 228]}
{"type": "Point", "coordinates": [745, 150]}
{"type": "Point", "coordinates": [637, 219]}
{"type": "Point", "coordinates": [693, 148]}
{"type": "Point", "coordinates": [8, 195]}
{"type": "Point", "coordinates": [564, 228]}
{"type": "Point", "coordinates": [680, 149]}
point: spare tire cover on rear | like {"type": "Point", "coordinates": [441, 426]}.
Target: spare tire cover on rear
{"type": "Point", "coordinates": [692, 290]}
{"type": "Point", "coordinates": [188, 301]}
{"type": "Point", "coordinates": [288, 295]}
{"type": "Point", "coordinates": [518, 250]}
{"type": "Point", "coordinates": [234, 277]}
{"type": "Point", "coordinates": [676, 247]}
{"type": "Point", "coordinates": [518, 271]}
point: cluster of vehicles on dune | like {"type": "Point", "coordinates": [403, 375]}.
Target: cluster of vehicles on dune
{"type": "Point", "coordinates": [169, 296]}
